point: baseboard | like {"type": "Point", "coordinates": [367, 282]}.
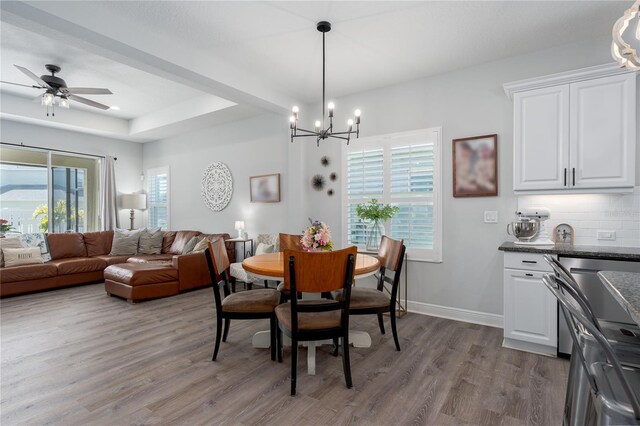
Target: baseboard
{"type": "Point", "coordinates": [458, 314]}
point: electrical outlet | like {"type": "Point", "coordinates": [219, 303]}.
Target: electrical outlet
{"type": "Point", "coordinates": [607, 235]}
{"type": "Point", "coordinates": [490, 216]}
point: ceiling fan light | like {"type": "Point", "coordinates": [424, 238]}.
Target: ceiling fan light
{"type": "Point", "coordinates": [63, 103]}
{"type": "Point", "coordinates": [47, 99]}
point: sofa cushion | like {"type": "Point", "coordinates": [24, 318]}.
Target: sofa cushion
{"type": "Point", "coordinates": [21, 256]}
{"type": "Point", "coordinates": [135, 274]}
{"type": "Point", "coordinates": [63, 246]}
{"type": "Point", "coordinates": [182, 238]}
{"type": "Point", "coordinates": [28, 272]}
{"type": "Point", "coordinates": [150, 241]}
{"type": "Point", "coordinates": [167, 240]}
{"type": "Point", "coordinates": [78, 265]}
{"type": "Point", "coordinates": [124, 242]}
{"type": "Point", "coordinates": [98, 243]}
{"type": "Point", "coordinates": [8, 243]}
{"type": "Point", "coordinates": [113, 260]}
{"type": "Point", "coordinates": [146, 258]}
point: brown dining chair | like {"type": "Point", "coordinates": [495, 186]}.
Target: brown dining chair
{"type": "Point", "coordinates": [290, 242]}
{"type": "Point", "coordinates": [374, 301]}
{"type": "Point", "coordinates": [254, 304]}
{"type": "Point", "coordinates": [310, 320]}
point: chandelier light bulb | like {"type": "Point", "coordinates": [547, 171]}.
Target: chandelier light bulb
{"type": "Point", "coordinates": [357, 113]}
{"type": "Point", "coordinates": [350, 122]}
{"type": "Point", "coordinates": [318, 124]}
{"type": "Point", "coordinates": [292, 122]}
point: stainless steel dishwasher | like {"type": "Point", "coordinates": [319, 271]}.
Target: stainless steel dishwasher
{"type": "Point", "coordinates": [602, 302]}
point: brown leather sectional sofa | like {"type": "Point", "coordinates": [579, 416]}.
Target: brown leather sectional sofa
{"type": "Point", "coordinates": [82, 258]}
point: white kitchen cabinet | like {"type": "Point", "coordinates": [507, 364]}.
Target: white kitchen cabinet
{"type": "Point", "coordinates": [575, 132]}
{"type": "Point", "coordinates": [530, 309]}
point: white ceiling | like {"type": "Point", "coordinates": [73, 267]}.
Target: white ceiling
{"type": "Point", "coordinates": [267, 55]}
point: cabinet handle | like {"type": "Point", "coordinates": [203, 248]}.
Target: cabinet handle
{"type": "Point", "coordinates": [574, 176]}
{"type": "Point", "coordinates": [529, 261]}
{"type": "Point", "coordinates": [529, 275]}
{"type": "Point", "coordinates": [565, 176]}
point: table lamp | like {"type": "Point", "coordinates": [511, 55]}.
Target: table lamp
{"type": "Point", "coordinates": [133, 202]}
{"type": "Point", "coordinates": [240, 228]}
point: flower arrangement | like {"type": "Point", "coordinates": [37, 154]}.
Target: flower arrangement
{"type": "Point", "coordinates": [5, 226]}
{"type": "Point", "coordinates": [316, 237]}
{"type": "Point", "coordinates": [376, 212]}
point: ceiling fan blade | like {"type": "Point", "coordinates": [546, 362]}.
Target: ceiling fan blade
{"type": "Point", "coordinates": [23, 85]}
{"type": "Point", "coordinates": [88, 102]}
{"type": "Point", "coordinates": [33, 77]}
{"type": "Point", "coordinates": [87, 91]}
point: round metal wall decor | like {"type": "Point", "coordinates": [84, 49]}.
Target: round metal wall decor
{"type": "Point", "coordinates": [217, 186]}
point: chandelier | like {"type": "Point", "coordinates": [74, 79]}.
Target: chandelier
{"type": "Point", "coordinates": [623, 52]}
{"type": "Point", "coordinates": [320, 132]}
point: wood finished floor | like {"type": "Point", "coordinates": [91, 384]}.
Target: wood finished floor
{"type": "Point", "coordinates": [77, 356]}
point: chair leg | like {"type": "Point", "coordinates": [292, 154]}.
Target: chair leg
{"type": "Point", "coordinates": [273, 333]}
{"type": "Point", "coordinates": [381, 323]}
{"type": "Point", "coordinates": [218, 338]}
{"type": "Point", "coordinates": [394, 329]}
{"type": "Point", "coordinates": [266, 284]}
{"type": "Point", "coordinates": [233, 285]}
{"type": "Point", "coordinates": [227, 323]}
{"type": "Point", "coordinates": [294, 365]}
{"type": "Point", "coordinates": [279, 343]}
{"type": "Point", "coordinates": [249, 286]}
{"type": "Point", "coordinates": [345, 361]}
{"type": "Point", "coordinates": [336, 345]}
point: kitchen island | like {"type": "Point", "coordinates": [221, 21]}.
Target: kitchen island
{"type": "Point", "coordinates": [625, 288]}
{"type": "Point", "coordinates": [592, 252]}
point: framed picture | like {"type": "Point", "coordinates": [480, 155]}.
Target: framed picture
{"type": "Point", "coordinates": [475, 166]}
{"type": "Point", "coordinates": [265, 188]}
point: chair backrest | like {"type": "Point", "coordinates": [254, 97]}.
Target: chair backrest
{"type": "Point", "coordinates": [290, 242]}
{"type": "Point", "coordinates": [568, 283]}
{"type": "Point", "coordinates": [573, 311]}
{"type": "Point", "coordinates": [218, 263]}
{"type": "Point", "coordinates": [270, 240]}
{"type": "Point", "coordinates": [391, 253]}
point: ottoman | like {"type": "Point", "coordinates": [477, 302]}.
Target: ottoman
{"type": "Point", "coordinates": [141, 281]}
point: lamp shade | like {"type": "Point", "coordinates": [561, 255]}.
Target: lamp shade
{"type": "Point", "coordinates": [133, 201]}
{"type": "Point", "coordinates": [239, 225]}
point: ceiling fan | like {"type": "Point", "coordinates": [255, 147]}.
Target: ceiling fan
{"type": "Point", "coordinates": [55, 87]}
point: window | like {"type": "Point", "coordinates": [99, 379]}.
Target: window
{"type": "Point", "coordinates": [402, 170]}
{"type": "Point", "coordinates": [46, 191]}
{"type": "Point", "coordinates": [158, 195]}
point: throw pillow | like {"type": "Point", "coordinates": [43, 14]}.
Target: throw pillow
{"type": "Point", "coordinates": [150, 241]}
{"type": "Point", "coordinates": [8, 243]}
{"type": "Point", "coordinates": [203, 244]}
{"type": "Point", "coordinates": [188, 248]}
{"type": "Point", "coordinates": [21, 256]}
{"type": "Point", "coordinates": [124, 242]}
{"type": "Point", "coordinates": [264, 248]}
{"type": "Point", "coordinates": [37, 239]}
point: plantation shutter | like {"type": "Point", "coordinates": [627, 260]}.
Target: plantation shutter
{"type": "Point", "coordinates": [364, 182]}
{"type": "Point", "coordinates": [158, 195]}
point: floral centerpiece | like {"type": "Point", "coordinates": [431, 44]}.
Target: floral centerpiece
{"type": "Point", "coordinates": [377, 214]}
{"type": "Point", "coordinates": [316, 237]}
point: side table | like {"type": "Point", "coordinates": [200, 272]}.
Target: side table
{"type": "Point", "coordinates": [244, 242]}
{"type": "Point", "coordinates": [401, 309]}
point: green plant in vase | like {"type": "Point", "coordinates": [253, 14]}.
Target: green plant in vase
{"type": "Point", "coordinates": [377, 214]}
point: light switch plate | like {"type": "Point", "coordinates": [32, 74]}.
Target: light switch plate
{"type": "Point", "coordinates": [490, 216]}
{"type": "Point", "coordinates": [607, 235]}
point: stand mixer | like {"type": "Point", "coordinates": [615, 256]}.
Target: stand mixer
{"type": "Point", "coordinates": [529, 228]}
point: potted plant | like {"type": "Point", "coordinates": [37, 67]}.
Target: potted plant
{"type": "Point", "coordinates": [376, 213]}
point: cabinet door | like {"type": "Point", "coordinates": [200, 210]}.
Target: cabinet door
{"type": "Point", "coordinates": [603, 139]}
{"type": "Point", "coordinates": [541, 138]}
{"type": "Point", "coordinates": [530, 309]}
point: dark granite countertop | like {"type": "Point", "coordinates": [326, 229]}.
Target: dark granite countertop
{"type": "Point", "coordinates": [625, 288]}
{"type": "Point", "coordinates": [592, 252]}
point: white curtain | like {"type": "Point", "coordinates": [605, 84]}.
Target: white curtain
{"type": "Point", "coordinates": [109, 201]}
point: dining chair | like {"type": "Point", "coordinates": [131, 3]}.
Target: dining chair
{"type": "Point", "coordinates": [614, 388]}
{"type": "Point", "coordinates": [312, 320]}
{"type": "Point", "coordinates": [288, 242]}
{"type": "Point", "coordinates": [374, 301]}
{"type": "Point", "coordinates": [254, 304]}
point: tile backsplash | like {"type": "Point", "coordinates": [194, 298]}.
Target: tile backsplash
{"type": "Point", "coordinates": [590, 213]}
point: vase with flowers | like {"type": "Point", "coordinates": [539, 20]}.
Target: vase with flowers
{"type": "Point", "coordinates": [5, 227]}
{"type": "Point", "coordinates": [376, 214]}
{"type": "Point", "coordinates": [317, 237]}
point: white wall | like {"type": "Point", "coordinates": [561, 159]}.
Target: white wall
{"type": "Point", "coordinates": [129, 154]}
{"type": "Point", "coordinates": [251, 147]}
{"type": "Point", "coordinates": [467, 102]}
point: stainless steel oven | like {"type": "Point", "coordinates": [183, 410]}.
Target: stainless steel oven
{"type": "Point", "coordinates": [603, 304]}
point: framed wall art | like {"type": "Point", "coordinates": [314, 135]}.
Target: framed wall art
{"type": "Point", "coordinates": [475, 166]}
{"type": "Point", "coordinates": [265, 188]}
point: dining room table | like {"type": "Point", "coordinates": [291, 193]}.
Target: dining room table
{"type": "Point", "coordinates": [625, 289]}
{"type": "Point", "coordinates": [270, 266]}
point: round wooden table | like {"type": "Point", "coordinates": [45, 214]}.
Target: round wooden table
{"type": "Point", "coordinates": [270, 266]}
